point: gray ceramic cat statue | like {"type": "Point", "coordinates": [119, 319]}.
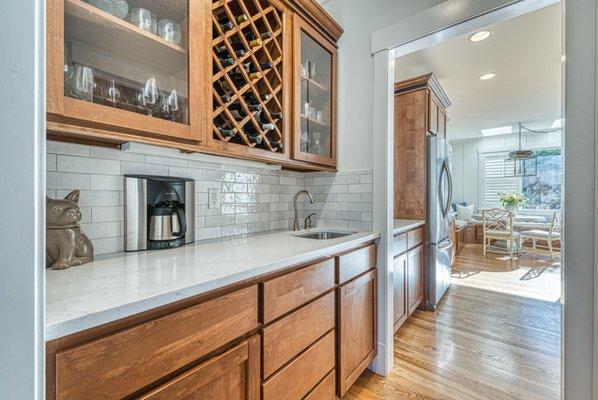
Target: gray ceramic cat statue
{"type": "Point", "coordinates": [66, 244]}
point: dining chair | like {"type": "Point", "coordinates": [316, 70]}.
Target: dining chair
{"type": "Point", "coordinates": [498, 225]}
{"type": "Point", "coordinates": [553, 234]}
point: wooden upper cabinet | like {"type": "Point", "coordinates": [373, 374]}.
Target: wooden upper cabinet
{"type": "Point", "coordinates": [315, 78]}
{"type": "Point", "coordinates": [129, 71]}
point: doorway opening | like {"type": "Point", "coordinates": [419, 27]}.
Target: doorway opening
{"type": "Point", "coordinates": [496, 332]}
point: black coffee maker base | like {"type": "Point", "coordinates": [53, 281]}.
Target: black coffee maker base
{"type": "Point", "coordinates": [165, 244]}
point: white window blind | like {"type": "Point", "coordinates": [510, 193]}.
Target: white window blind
{"type": "Point", "coordinates": [495, 180]}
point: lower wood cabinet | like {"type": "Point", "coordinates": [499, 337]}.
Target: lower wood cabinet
{"type": "Point", "coordinates": [297, 378]}
{"type": "Point", "coordinates": [415, 277]}
{"type": "Point", "coordinates": [408, 275]}
{"type": "Point", "coordinates": [233, 375]}
{"type": "Point", "coordinates": [400, 309]}
{"type": "Point", "coordinates": [314, 337]}
{"type": "Point", "coordinates": [356, 328]}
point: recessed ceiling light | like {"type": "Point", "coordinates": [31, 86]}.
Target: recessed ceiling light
{"type": "Point", "coordinates": [487, 76]}
{"type": "Point", "coordinates": [479, 36]}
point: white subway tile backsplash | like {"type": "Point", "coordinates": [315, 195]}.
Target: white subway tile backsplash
{"type": "Point", "coordinates": [67, 180]}
{"type": "Point", "coordinates": [87, 165]}
{"type": "Point", "coordinates": [107, 182]}
{"type": "Point", "coordinates": [132, 168]}
{"type": "Point", "coordinates": [50, 162]}
{"type": "Point", "coordinates": [253, 198]}
{"type": "Point", "coordinates": [72, 149]}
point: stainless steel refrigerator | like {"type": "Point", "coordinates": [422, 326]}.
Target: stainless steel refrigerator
{"type": "Point", "coordinates": [439, 243]}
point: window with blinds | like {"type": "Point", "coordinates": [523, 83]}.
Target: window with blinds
{"type": "Point", "coordinates": [495, 180]}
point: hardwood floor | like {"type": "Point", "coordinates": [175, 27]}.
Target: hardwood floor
{"type": "Point", "coordinates": [480, 344]}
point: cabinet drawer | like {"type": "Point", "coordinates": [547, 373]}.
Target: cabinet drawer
{"type": "Point", "coordinates": [399, 244]}
{"type": "Point", "coordinates": [415, 237]}
{"type": "Point", "coordinates": [290, 291]}
{"type": "Point", "coordinates": [289, 336]}
{"type": "Point", "coordinates": [121, 363]}
{"type": "Point", "coordinates": [295, 380]}
{"type": "Point", "coordinates": [326, 390]}
{"type": "Point", "coordinates": [233, 375]}
{"type": "Point", "coordinates": [355, 263]}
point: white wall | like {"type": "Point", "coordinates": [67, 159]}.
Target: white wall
{"type": "Point", "coordinates": [22, 116]}
{"type": "Point", "coordinates": [360, 19]}
{"type": "Point", "coordinates": [466, 157]}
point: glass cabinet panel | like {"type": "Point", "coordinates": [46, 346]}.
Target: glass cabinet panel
{"type": "Point", "coordinates": [130, 55]}
{"type": "Point", "coordinates": [316, 113]}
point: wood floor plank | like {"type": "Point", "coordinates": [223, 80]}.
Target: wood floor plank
{"type": "Point", "coordinates": [480, 344]}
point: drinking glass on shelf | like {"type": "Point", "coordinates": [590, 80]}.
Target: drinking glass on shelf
{"type": "Point", "coordinates": [312, 70]}
{"type": "Point", "coordinates": [112, 93]}
{"type": "Point", "coordinates": [315, 146]}
{"type": "Point", "coordinates": [171, 105]}
{"type": "Point", "coordinates": [150, 96]}
{"type": "Point", "coordinates": [306, 108]}
{"type": "Point", "coordinates": [144, 20]}
{"type": "Point", "coordinates": [319, 116]}
{"type": "Point", "coordinates": [312, 113]}
{"type": "Point", "coordinates": [82, 83]}
{"type": "Point", "coordinates": [169, 30]}
{"type": "Point", "coordinates": [303, 141]}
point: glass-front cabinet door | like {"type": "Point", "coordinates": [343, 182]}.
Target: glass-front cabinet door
{"type": "Point", "coordinates": [129, 65]}
{"type": "Point", "coordinates": [315, 96]}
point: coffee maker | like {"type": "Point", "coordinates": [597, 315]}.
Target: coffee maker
{"type": "Point", "coordinates": [160, 212]}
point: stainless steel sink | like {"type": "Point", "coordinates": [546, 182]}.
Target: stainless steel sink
{"type": "Point", "coordinates": [324, 235]}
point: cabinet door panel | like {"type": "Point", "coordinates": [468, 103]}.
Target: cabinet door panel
{"type": "Point", "coordinates": [432, 115]}
{"type": "Point", "coordinates": [400, 309]}
{"type": "Point", "coordinates": [415, 277]}
{"type": "Point", "coordinates": [315, 96]}
{"type": "Point", "coordinates": [233, 375]}
{"type": "Point", "coordinates": [109, 70]}
{"type": "Point", "coordinates": [357, 328]}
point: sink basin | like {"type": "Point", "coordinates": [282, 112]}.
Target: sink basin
{"type": "Point", "coordinates": [324, 235]}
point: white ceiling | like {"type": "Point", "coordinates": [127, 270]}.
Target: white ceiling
{"type": "Point", "coordinates": [524, 52]}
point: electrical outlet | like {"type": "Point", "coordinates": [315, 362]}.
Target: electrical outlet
{"type": "Point", "coordinates": [213, 198]}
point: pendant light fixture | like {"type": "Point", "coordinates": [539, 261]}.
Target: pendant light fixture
{"type": "Point", "coordinates": [521, 162]}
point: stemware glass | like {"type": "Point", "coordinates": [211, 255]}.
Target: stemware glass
{"type": "Point", "coordinates": [113, 93]}
{"type": "Point", "coordinates": [150, 96]}
{"type": "Point", "coordinates": [171, 105]}
{"type": "Point", "coordinates": [82, 84]}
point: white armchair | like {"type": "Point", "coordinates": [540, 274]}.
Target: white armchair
{"type": "Point", "coordinates": [498, 225]}
{"type": "Point", "coordinates": [553, 234]}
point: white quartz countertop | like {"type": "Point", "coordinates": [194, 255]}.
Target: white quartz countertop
{"type": "Point", "coordinates": [405, 225]}
{"type": "Point", "coordinates": [123, 284]}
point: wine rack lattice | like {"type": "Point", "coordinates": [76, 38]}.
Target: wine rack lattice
{"type": "Point", "coordinates": [247, 73]}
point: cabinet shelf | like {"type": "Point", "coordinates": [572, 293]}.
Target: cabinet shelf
{"type": "Point", "coordinates": [313, 121]}
{"type": "Point", "coordinates": [315, 83]}
{"type": "Point", "coordinates": [88, 24]}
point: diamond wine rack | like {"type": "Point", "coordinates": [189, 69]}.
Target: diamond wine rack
{"type": "Point", "coordinates": [247, 73]}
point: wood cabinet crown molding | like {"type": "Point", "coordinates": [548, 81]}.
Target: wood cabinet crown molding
{"type": "Point", "coordinates": [424, 81]}
{"type": "Point", "coordinates": [313, 10]}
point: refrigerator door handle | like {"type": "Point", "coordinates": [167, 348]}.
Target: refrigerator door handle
{"type": "Point", "coordinates": [446, 170]}
{"type": "Point", "coordinates": [445, 244]}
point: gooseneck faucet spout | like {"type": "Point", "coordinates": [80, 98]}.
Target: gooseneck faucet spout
{"type": "Point", "coordinates": [311, 200]}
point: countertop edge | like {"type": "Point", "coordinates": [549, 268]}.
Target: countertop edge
{"type": "Point", "coordinates": [409, 227]}
{"type": "Point", "coordinates": [78, 324]}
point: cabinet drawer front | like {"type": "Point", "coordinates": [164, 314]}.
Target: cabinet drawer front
{"type": "Point", "coordinates": [399, 244]}
{"type": "Point", "coordinates": [290, 291]}
{"type": "Point", "coordinates": [357, 328]}
{"type": "Point", "coordinates": [356, 262]}
{"type": "Point", "coordinates": [326, 390]}
{"type": "Point", "coordinates": [415, 237]}
{"type": "Point", "coordinates": [121, 363]}
{"type": "Point", "coordinates": [289, 336]}
{"type": "Point", "coordinates": [295, 380]}
{"type": "Point", "coordinates": [233, 375]}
